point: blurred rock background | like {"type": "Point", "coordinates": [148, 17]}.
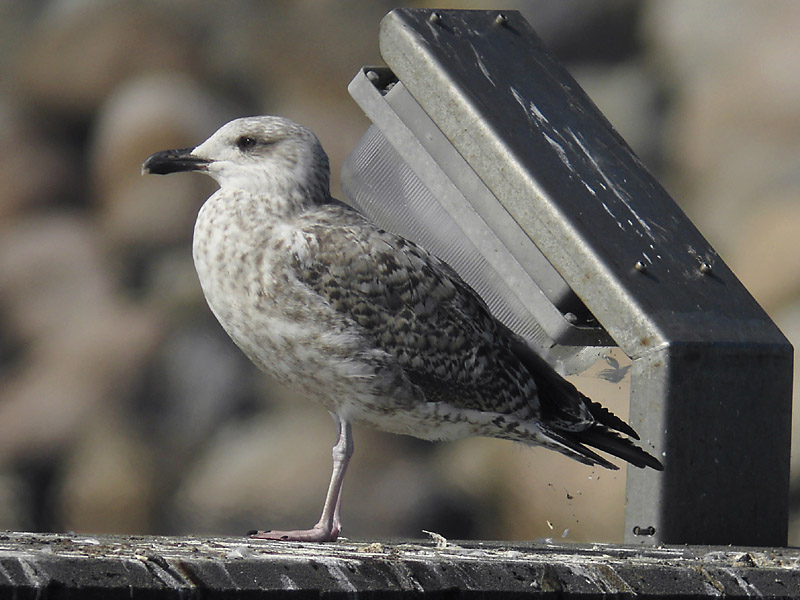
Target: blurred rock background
{"type": "Point", "coordinates": [124, 408]}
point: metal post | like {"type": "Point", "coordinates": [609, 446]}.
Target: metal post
{"type": "Point", "coordinates": [718, 413]}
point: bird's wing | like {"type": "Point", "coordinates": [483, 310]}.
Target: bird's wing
{"type": "Point", "coordinates": [417, 309]}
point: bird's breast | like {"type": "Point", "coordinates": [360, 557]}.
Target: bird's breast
{"type": "Point", "coordinates": [245, 266]}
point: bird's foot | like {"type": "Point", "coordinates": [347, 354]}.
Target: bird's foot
{"type": "Point", "coordinates": [318, 533]}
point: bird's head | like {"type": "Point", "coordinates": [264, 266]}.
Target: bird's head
{"type": "Point", "coordinates": [262, 155]}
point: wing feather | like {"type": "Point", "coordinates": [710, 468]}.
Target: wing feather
{"type": "Point", "coordinates": [416, 308]}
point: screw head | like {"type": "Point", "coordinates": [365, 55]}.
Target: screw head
{"type": "Point", "coordinates": [435, 18]}
{"type": "Point", "coordinates": [640, 266]}
{"type": "Point", "coordinates": [706, 268]}
{"type": "Point", "coordinates": [500, 19]}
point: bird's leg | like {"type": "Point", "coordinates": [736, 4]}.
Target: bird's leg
{"type": "Point", "coordinates": [329, 524]}
{"type": "Point", "coordinates": [341, 452]}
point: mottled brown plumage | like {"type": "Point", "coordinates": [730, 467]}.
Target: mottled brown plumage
{"type": "Point", "coordinates": [363, 321]}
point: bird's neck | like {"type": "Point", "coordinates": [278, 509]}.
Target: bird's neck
{"type": "Point", "coordinates": [277, 199]}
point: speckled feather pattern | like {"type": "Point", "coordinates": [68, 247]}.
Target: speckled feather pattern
{"type": "Point", "coordinates": [416, 309]}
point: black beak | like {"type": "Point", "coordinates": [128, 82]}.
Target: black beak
{"type": "Point", "coordinates": [173, 161]}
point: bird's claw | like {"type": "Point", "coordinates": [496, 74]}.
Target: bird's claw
{"type": "Point", "coordinates": [315, 534]}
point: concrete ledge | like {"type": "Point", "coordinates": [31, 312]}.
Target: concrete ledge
{"type": "Point", "coordinates": [69, 566]}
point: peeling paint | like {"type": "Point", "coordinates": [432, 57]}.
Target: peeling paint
{"type": "Point", "coordinates": [483, 67]}
{"type": "Point", "coordinates": [562, 154]}
{"type": "Point", "coordinates": [618, 191]}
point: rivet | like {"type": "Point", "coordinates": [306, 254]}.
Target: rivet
{"type": "Point", "coordinates": [706, 268]}
{"type": "Point", "coordinates": [435, 18]}
{"type": "Point", "coordinates": [637, 530]}
{"type": "Point", "coordinates": [500, 19]}
{"type": "Point", "coordinates": [571, 318]}
{"type": "Point", "coordinates": [640, 266]}
{"type": "Point", "coordinates": [373, 76]}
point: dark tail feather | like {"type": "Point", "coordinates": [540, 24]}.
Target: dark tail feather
{"type": "Point", "coordinates": [602, 438]}
{"type": "Point", "coordinates": [563, 410]}
{"type": "Point", "coordinates": [576, 451]}
{"type": "Point", "coordinates": [560, 400]}
{"type": "Point", "coordinates": [605, 417]}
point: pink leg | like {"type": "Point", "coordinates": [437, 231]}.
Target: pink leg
{"type": "Point", "coordinates": [329, 524]}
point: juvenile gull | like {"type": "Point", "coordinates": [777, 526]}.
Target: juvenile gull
{"type": "Point", "coordinates": [365, 322]}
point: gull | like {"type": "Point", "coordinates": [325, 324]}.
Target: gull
{"type": "Point", "coordinates": [367, 323]}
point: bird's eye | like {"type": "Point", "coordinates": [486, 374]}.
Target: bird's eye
{"type": "Point", "coordinates": [246, 142]}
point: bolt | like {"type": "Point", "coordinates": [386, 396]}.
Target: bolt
{"type": "Point", "coordinates": [705, 268]}
{"type": "Point", "coordinates": [435, 18]}
{"type": "Point", "coordinates": [500, 19]}
{"type": "Point", "coordinates": [640, 266]}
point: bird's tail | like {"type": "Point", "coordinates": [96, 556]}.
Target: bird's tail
{"type": "Point", "coordinates": [604, 435]}
{"type": "Point", "coordinates": [605, 417]}
{"type": "Point", "coordinates": [575, 423]}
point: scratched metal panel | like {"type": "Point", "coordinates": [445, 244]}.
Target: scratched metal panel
{"type": "Point", "coordinates": [564, 174]}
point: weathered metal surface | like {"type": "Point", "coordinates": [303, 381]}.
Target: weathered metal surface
{"type": "Point", "coordinates": [569, 180]}
{"type": "Point", "coordinates": [711, 375]}
{"type": "Point", "coordinates": [69, 566]}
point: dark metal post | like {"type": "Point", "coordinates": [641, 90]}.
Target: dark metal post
{"type": "Point", "coordinates": [719, 414]}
